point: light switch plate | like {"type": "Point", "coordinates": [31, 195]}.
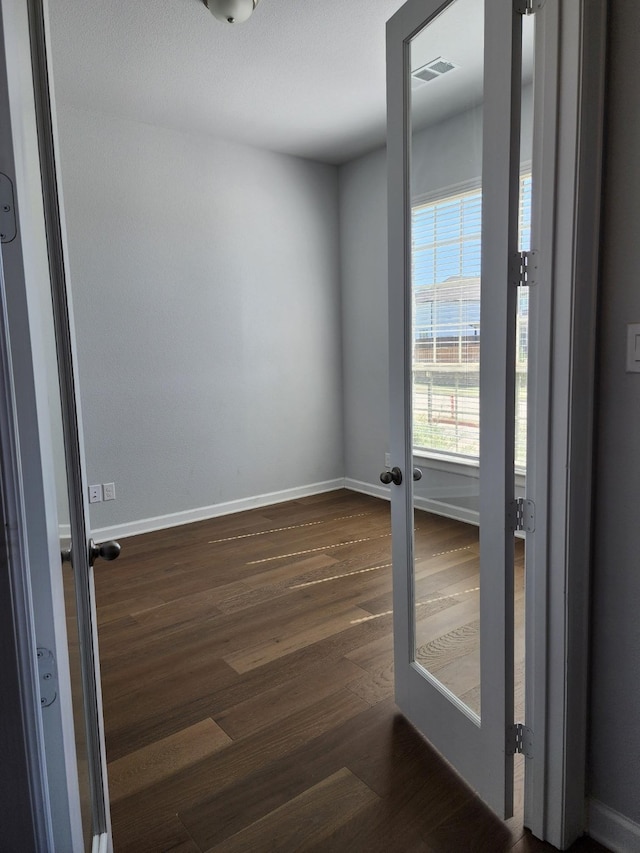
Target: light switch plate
{"type": "Point", "coordinates": [633, 348]}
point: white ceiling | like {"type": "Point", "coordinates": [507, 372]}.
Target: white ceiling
{"type": "Point", "coordinates": [302, 76]}
{"type": "Point", "coordinates": [306, 77]}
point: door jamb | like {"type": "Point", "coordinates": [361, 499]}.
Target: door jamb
{"type": "Point", "coordinates": [569, 143]}
{"type": "Point", "coordinates": [31, 340]}
{"type": "Point", "coordinates": [25, 812]}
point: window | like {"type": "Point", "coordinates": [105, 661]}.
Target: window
{"type": "Point", "coordinates": [446, 257]}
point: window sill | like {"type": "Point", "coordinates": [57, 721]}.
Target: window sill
{"type": "Point", "coordinates": [461, 466]}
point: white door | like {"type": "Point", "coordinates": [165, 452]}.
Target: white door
{"type": "Point", "coordinates": [34, 267]}
{"type": "Point", "coordinates": [454, 114]}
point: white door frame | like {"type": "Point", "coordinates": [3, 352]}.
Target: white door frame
{"type": "Point", "coordinates": [25, 813]}
{"type": "Point", "coordinates": [38, 608]}
{"type": "Point", "coordinates": [569, 105]}
{"type": "Point", "coordinates": [43, 375]}
{"type": "Point", "coordinates": [557, 593]}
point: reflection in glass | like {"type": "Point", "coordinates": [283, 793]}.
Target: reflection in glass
{"type": "Point", "coordinates": [446, 230]}
{"type": "Point", "coordinates": [446, 254]}
{"type": "Point", "coordinates": [522, 356]}
{"type": "Point", "coordinates": [78, 703]}
{"type": "Point", "coordinates": [71, 613]}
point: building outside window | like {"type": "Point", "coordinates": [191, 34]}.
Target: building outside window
{"type": "Point", "coordinates": [446, 258]}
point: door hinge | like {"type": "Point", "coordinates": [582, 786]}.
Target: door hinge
{"type": "Point", "coordinates": [520, 740]}
{"type": "Point", "coordinates": [522, 515]}
{"type": "Point", "coordinates": [524, 269]}
{"type": "Point", "coordinates": [7, 210]}
{"type": "Point", "coordinates": [528, 7]}
{"type": "Point", "coordinates": [47, 677]}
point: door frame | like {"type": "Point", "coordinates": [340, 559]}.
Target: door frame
{"type": "Point", "coordinates": [38, 608]}
{"type": "Point", "coordinates": [557, 594]}
{"type": "Point", "coordinates": [568, 148]}
{"type": "Point", "coordinates": [25, 814]}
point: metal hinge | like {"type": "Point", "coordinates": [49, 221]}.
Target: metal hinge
{"type": "Point", "coordinates": [528, 7]}
{"type": "Point", "coordinates": [522, 515]}
{"type": "Point", "coordinates": [7, 210]}
{"type": "Point", "coordinates": [48, 677]}
{"type": "Point", "coordinates": [520, 740]}
{"type": "Point", "coordinates": [524, 269]}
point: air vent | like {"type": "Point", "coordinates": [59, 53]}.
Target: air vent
{"type": "Point", "coordinates": [434, 69]}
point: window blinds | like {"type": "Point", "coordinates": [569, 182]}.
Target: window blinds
{"type": "Point", "coordinates": [446, 264]}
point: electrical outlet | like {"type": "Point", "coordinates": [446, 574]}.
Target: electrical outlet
{"type": "Point", "coordinates": [109, 490]}
{"type": "Point", "coordinates": [387, 460]}
{"type": "Point", "coordinates": [95, 494]}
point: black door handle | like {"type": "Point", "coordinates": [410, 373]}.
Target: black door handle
{"type": "Point", "coordinates": [107, 550]}
{"type": "Point", "coordinates": [392, 476]}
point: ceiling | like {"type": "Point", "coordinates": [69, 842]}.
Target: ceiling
{"type": "Point", "coordinates": [302, 77]}
{"type": "Point", "coordinates": [299, 76]}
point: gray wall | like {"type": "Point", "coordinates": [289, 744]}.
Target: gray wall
{"type": "Point", "coordinates": [206, 292]}
{"type": "Point", "coordinates": [615, 707]}
{"type": "Point", "coordinates": [363, 255]}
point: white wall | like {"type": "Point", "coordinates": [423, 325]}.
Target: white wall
{"type": "Point", "coordinates": [615, 707]}
{"type": "Point", "coordinates": [206, 294]}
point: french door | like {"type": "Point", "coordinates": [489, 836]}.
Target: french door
{"type": "Point", "coordinates": [39, 310]}
{"type": "Point", "coordinates": [454, 160]}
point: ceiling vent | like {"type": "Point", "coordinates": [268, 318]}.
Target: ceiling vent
{"type": "Point", "coordinates": [432, 70]}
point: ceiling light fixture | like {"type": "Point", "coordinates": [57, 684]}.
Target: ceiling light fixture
{"type": "Point", "coordinates": [231, 11]}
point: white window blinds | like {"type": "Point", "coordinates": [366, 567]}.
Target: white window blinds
{"type": "Point", "coordinates": [446, 259]}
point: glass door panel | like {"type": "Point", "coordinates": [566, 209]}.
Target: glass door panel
{"type": "Point", "coordinates": [522, 356]}
{"type": "Point", "coordinates": [73, 638]}
{"type": "Point", "coordinates": [447, 69]}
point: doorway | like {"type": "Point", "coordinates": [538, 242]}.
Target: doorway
{"type": "Point", "coordinates": [570, 297]}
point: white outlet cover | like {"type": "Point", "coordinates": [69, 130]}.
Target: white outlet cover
{"type": "Point", "coordinates": [95, 494]}
{"type": "Point", "coordinates": [109, 490]}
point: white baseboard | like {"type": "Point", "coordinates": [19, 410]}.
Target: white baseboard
{"type": "Point", "coordinates": [161, 522]}
{"type": "Point", "coordinates": [372, 489]}
{"type": "Point", "coordinates": [427, 504]}
{"type": "Point", "coordinates": [614, 830]}
{"type": "Point", "coordinates": [460, 513]}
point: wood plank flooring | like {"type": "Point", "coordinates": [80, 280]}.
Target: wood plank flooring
{"type": "Point", "coordinates": [248, 682]}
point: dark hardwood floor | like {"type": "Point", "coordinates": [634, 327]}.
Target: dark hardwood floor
{"type": "Point", "coordinates": [247, 680]}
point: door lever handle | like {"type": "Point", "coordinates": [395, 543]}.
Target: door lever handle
{"type": "Point", "coordinates": [392, 476]}
{"type": "Point", "coordinates": [107, 550]}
